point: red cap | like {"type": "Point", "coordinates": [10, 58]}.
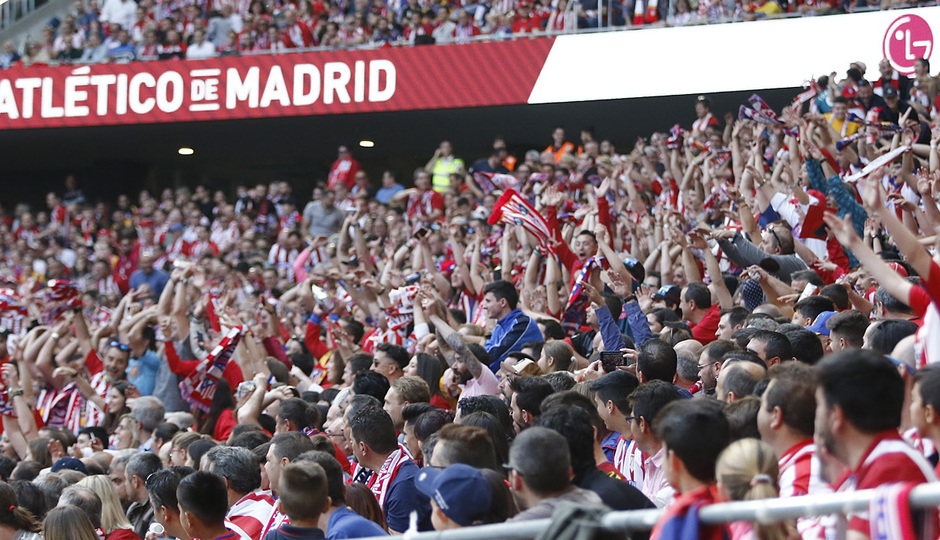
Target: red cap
{"type": "Point", "coordinates": [898, 268]}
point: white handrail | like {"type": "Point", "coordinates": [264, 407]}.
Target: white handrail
{"type": "Point", "coordinates": [767, 511]}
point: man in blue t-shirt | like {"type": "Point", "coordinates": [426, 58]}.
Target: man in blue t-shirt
{"type": "Point", "coordinates": [375, 445]}
{"type": "Point", "coordinates": [144, 364]}
{"type": "Point", "coordinates": [340, 521]}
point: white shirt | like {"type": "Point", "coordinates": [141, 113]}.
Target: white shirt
{"type": "Point", "coordinates": [121, 12]}
{"type": "Point", "coordinates": [197, 51]}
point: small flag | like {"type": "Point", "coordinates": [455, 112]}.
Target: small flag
{"type": "Point", "coordinates": [199, 387]}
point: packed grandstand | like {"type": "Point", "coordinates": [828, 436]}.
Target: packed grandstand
{"type": "Point", "coordinates": [736, 307]}
{"type": "Point", "coordinates": [97, 31]}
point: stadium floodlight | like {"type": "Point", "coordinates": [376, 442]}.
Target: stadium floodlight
{"type": "Point", "coordinates": [366, 144]}
{"type": "Point", "coordinates": [186, 151]}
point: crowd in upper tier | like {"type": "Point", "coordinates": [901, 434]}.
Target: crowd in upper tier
{"type": "Point", "coordinates": [733, 309]}
{"type": "Point", "coordinates": [126, 30]}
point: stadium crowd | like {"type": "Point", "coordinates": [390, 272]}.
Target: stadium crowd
{"type": "Point", "coordinates": [737, 310]}
{"type": "Point", "coordinates": [98, 31]}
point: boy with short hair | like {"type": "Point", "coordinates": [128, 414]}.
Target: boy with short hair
{"type": "Point", "coordinates": [304, 498]}
{"type": "Point", "coordinates": [693, 432]}
{"type": "Point", "coordinates": [203, 502]}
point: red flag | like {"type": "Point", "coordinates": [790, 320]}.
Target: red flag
{"type": "Point", "coordinates": [512, 209]}
{"type": "Point", "coordinates": [199, 387]}
{"type": "Point", "coordinates": [812, 224]}
{"type": "Point", "coordinates": [212, 315]}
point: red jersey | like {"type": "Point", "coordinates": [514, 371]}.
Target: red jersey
{"type": "Point", "coordinates": [298, 36]}
{"type": "Point", "coordinates": [343, 171]}
{"type": "Point", "coordinates": [704, 330]}
{"type": "Point", "coordinates": [526, 25]}
{"type": "Point", "coordinates": [249, 516]}
{"type": "Point", "coordinates": [889, 459]}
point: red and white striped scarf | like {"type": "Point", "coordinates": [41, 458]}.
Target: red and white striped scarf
{"type": "Point", "coordinates": [512, 209]}
{"type": "Point", "coordinates": [199, 387]}
{"type": "Point", "coordinates": [62, 408]}
{"type": "Point", "coordinates": [380, 482]}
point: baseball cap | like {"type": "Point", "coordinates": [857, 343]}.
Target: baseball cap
{"type": "Point", "coordinates": [460, 491]}
{"type": "Point", "coordinates": [669, 292]}
{"type": "Point", "coordinates": [69, 463]}
{"type": "Point", "coordinates": [819, 325]}
{"type": "Point", "coordinates": [527, 368]}
{"type": "Point", "coordinates": [636, 269]}
{"type": "Point", "coordinates": [890, 92]}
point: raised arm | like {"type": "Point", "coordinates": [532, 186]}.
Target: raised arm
{"type": "Point", "coordinates": [896, 285]}
{"type": "Point", "coordinates": [82, 336]}
{"type": "Point", "coordinates": [450, 338]}
{"type": "Point", "coordinates": [725, 300]}
{"type": "Point", "coordinates": [907, 242]}
{"type": "Point", "coordinates": [45, 362]}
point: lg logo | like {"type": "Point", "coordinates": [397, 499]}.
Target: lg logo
{"type": "Point", "coordinates": [907, 39]}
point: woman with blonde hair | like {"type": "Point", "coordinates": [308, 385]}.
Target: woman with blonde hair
{"type": "Point", "coordinates": [124, 436]}
{"type": "Point", "coordinates": [68, 523]}
{"type": "Point", "coordinates": [113, 521]}
{"type": "Point", "coordinates": [747, 470]}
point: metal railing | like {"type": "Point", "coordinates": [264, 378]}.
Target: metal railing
{"type": "Point", "coordinates": [13, 10]}
{"type": "Point", "coordinates": [764, 511]}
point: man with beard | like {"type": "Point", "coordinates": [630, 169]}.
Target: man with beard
{"type": "Point", "coordinates": [861, 432]}
{"type": "Point", "coordinates": [475, 376]}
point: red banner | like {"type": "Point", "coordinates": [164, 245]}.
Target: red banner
{"type": "Point", "coordinates": [300, 84]}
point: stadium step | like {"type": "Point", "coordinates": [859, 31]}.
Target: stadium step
{"type": "Point", "coordinates": [30, 18]}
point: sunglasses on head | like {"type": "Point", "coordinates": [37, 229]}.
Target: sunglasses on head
{"type": "Point", "coordinates": [119, 345]}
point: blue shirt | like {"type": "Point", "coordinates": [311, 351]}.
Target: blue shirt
{"type": "Point", "coordinates": [289, 532]}
{"type": "Point", "coordinates": [157, 280]}
{"type": "Point", "coordinates": [403, 497]}
{"type": "Point", "coordinates": [142, 372]}
{"type": "Point", "coordinates": [344, 523]}
{"type": "Point", "coordinates": [510, 333]}
{"type": "Point", "coordinates": [385, 194]}
{"type": "Point", "coordinates": [609, 445]}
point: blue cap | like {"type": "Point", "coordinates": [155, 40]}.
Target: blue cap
{"type": "Point", "coordinates": [819, 325]}
{"type": "Point", "coordinates": [69, 463]}
{"type": "Point", "coordinates": [460, 491]}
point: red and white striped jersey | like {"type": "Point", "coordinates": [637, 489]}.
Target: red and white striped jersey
{"type": "Point", "coordinates": [924, 446]}
{"type": "Point", "coordinates": [800, 474]}
{"type": "Point", "coordinates": [700, 124]}
{"type": "Point", "coordinates": [800, 471]}
{"type": "Point", "coordinates": [889, 459]}
{"type": "Point", "coordinates": [275, 520]}
{"type": "Point", "coordinates": [628, 459]}
{"type": "Point", "coordinates": [282, 259]}
{"type": "Point", "coordinates": [93, 415]}
{"type": "Point", "coordinates": [63, 408]}
{"type": "Point", "coordinates": [107, 286]}
{"type": "Point", "coordinates": [250, 515]}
